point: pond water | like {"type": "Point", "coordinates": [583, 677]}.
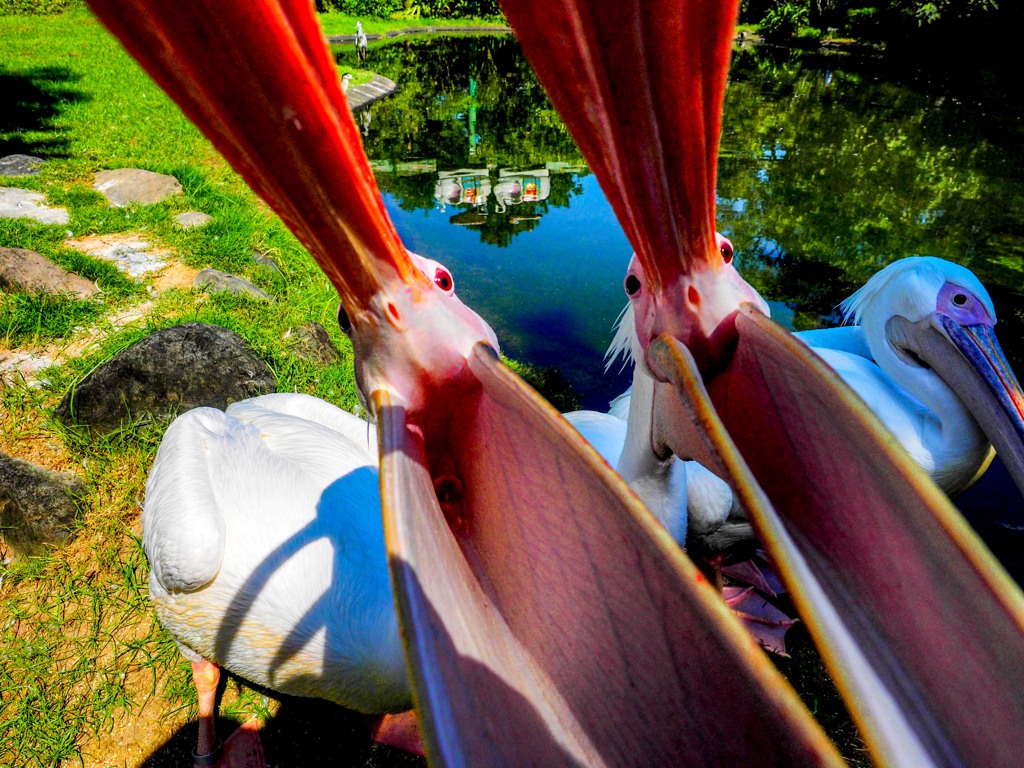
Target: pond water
{"type": "Point", "coordinates": [831, 166]}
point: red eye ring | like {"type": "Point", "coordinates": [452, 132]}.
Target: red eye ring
{"type": "Point", "coordinates": [727, 252]}
{"type": "Point", "coordinates": [443, 280]}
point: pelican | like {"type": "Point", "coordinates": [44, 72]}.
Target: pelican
{"type": "Point", "coordinates": [919, 403]}
{"type": "Point", "coordinates": [269, 513]}
{"type": "Point", "coordinates": [843, 510]}
{"type": "Point", "coordinates": [547, 618]}
{"type": "Point", "coordinates": [689, 500]}
{"type": "Point", "coordinates": [919, 396]}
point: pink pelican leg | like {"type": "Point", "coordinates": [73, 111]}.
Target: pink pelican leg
{"type": "Point", "coordinates": [920, 627]}
{"type": "Point", "coordinates": [242, 749]}
{"type": "Point", "coordinates": [548, 619]}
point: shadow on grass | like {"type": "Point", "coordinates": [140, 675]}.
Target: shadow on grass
{"type": "Point", "coordinates": [304, 733]}
{"type": "Point", "coordinates": [33, 100]}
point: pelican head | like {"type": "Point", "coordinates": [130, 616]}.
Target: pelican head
{"type": "Point", "coordinates": [930, 324]}
{"type": "Point", "coordinates": [635, 327]}
{"type": "Point", "coordinates": [695, 307]}
{"type": "Point", "coordinates": [426, 349]}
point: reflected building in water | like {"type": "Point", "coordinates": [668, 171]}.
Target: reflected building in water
{"type": "Point", "coordinates": [484, 196]}
{"type": "Point", "coordinates": [517, 187]}
{"type": "Point", "coordinates": [468, 186]}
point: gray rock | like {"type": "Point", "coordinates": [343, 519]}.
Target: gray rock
{"type": "Point", "coordinates": [131, 255]}
{"type": "Point", "coordinates": [167, 373]}
{"type": "Point", "coordinates": [20, 165]}
{"type": "Point", "coordinates": [134, 185]}
{"type": "Point", "coordinates": [215, 280]}
{"type": "Point", "coordinates": [23, 204]}
{"type": "Point", "coordinates": [31, 272]}
{"type": "Point", "coordinates": [37, 506]}
{"type": "Point", "coordinates": [312, 342]}
{"type": "Point", "coordinates": [190, 219]}
{"type": "Point", "coordinates": [266, 261]}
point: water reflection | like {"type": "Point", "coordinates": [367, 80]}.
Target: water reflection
{"type": "Point", "coordinates": [831, 167]}
{"type": "Point", "coordinates": [468, 186]}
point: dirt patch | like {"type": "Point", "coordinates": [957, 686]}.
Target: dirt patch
{"type": "Point", "coordinates": [133, 737]}
{"type": "Point", "coordinates": [175, 275]}
{"type": "Point", "coordinates": [31, 440]}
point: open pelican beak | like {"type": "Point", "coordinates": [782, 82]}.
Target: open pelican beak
{"type": "Point", "coordinates": [548, 619]}
{"type": "Point", "coordinates": [969, 359]}
{"type": "Point", "coordinates": [906, 606]}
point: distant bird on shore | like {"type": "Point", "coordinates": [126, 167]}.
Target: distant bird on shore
{"type": "Point", "coordinates": [362, 44]}
{"type": "Point", "coordinates": [346, 80]}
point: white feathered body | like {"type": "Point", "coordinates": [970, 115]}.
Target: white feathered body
{"type": "Point", "coordinates": [263, 529]}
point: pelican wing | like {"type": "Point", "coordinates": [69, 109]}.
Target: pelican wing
{"type": "Point", "coordinates": [183, 528]}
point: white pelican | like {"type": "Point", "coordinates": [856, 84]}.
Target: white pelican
{"type": "Point", "coordinates": [689, 500]}
{"type": "Point", "coordinates": [925, 412]}
{"type": "Point", "coordinates": [262, 525]}
{"type": "Point", "coordinates": [518, 558]}
{"type": "Point", "coordinates": [923, 402]}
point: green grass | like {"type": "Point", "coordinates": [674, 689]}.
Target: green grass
{"type": "Point", "coordinates": [337, 23]}
{"type": "Point", "coordinates": [80, 646]}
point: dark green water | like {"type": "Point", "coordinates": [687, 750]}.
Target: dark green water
{"type": "Point", "coordinates": [831, 167]}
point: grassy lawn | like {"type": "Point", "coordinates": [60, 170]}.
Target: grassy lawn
{"type": "Point", "coordinates": [336, 23]}
{"type": "Point", "coordinates": [86, 674]}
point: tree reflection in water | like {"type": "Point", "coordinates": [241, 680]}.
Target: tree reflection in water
{"type": "Point", "coordinates": [831, 166]}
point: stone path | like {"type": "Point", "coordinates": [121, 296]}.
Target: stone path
{"type": "Point", "coordinates": [24, 204]}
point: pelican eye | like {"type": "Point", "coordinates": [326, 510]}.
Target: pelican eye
{"type": "Point", "coordinates": [443, 280]}
{"type": "Point", "coordinates": [632, 285]}
{"type": "Point", "coordinates": [726, 250]}
{"type": "Point", "coordinates": [960, 299]}
{"type": "Point", "coordinates": [343, 321]}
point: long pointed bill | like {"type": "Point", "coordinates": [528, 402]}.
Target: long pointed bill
{"type": "Point", "coordinates": [549, 621]}
{"type": "Point", "coordinates": [970, 360]}
{"type": "Point", "coordinates": [909, 611]}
